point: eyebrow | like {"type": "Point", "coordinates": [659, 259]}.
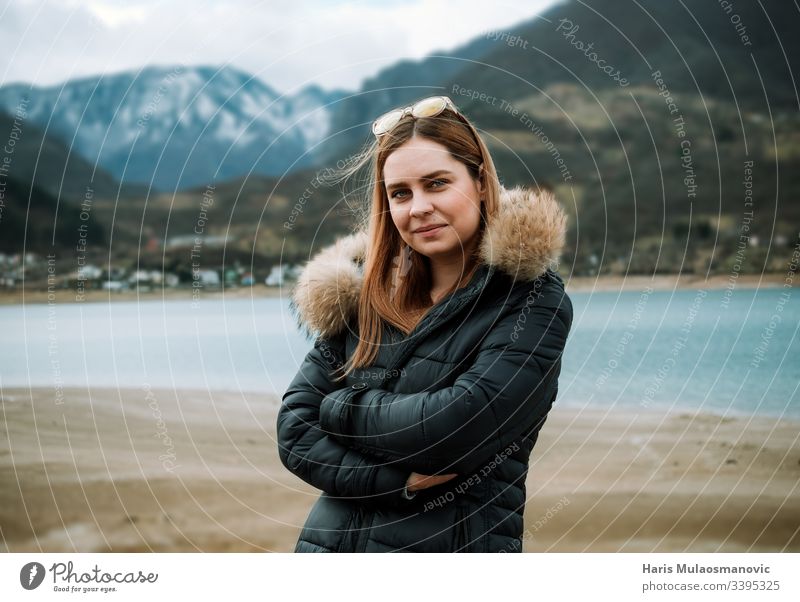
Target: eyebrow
{"type": "Point", "coordinates": [426, 177]}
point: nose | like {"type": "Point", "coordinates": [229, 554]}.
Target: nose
{"type": "Point", "coordinates": [420, 205]}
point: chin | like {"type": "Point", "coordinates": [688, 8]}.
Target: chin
{"type": "Point", "coordinates": [439, 250]}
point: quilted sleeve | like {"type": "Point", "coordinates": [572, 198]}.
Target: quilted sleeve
{"type": "Point", "coordinates": [509, 387]}
{"type": "Point", "coordinates": [313, 455]}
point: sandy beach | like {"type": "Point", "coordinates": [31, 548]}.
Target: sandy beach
{"type": "Point", "coordinates": [159, 470]}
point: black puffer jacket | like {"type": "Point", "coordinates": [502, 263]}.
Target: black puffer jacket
{"type": "Point", "coordinates": [466, 392]}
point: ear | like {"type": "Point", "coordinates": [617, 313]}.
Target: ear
{"type": "Point", "coordinates": [481, 180]}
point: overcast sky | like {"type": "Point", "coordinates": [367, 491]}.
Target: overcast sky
{"type": "Point", "coordinates": [287, 44]}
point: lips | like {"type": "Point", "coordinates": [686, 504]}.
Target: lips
{"type": "Point", "coordinates": [430, 227]}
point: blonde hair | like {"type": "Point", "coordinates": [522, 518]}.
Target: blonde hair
{"type": "Point", "coordinates": [394, 293]}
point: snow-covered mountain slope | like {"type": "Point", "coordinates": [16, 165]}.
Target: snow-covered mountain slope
{"type": "Point", "coordinates": [179, 126]}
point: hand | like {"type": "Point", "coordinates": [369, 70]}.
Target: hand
{"type": "Point", "coordinates": [418, 481]}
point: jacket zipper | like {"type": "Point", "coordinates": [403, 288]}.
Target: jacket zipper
{"type": "Point", "coordinates": [411, 342]}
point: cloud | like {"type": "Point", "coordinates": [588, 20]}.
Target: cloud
{"type": "Point", "coordinates": [288, 45]}
{"type": "Point", "coordinates": [115, 16]}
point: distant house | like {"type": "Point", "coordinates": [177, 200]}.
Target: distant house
{"type": "Point", "coordinates": [90, 272]}
{"type": "Point", "coordinates": [209, 278]}
{"type": "Point", "coordinates": [231, 276]}
{"type": "Point", "coordinates": [143, 277]}
{"type": "Point", "coordinates": [277, 275]}
{"type": "Point", "coordinates": [114, 285]}
{"type": "Point", "coordinates": [285, 273]}
{"type": "Point", "coordinates": [153, 277]}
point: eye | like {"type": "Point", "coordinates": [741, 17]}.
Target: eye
{"type": "Point", "coordinates": [434, 183]}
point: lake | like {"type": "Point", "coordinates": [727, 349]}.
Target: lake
{"type": "Point", "coordinates": [706, 350]}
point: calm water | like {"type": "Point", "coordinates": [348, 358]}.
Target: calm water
{"type": "Point", "coordinates": [662, 350]}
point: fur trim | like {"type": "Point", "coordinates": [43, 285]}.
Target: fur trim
{"type": "Point", "coordinates": [524, 239]}
{"type": "Point", "coordinates": [527, 235]}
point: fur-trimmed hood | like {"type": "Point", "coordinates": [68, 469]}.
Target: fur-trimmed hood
{"type": "Point", "coordinates": [523, 240]}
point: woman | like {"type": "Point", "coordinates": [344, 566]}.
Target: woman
{"type": "Point", "coordinates": [439, 332]}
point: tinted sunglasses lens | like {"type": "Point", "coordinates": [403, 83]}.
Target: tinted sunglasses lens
{"type": "Point", "coordinates": [428, 107]}
{"type": "Point", "coordinates": [386, 122]}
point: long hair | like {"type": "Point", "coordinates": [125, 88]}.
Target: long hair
{"type": "Point", "coordinates": [397, 283]}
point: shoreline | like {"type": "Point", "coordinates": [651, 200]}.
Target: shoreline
{"type": "Point", "coordinates": [576, 284]}
{"type": "Point", "coordinates": [156, 469]}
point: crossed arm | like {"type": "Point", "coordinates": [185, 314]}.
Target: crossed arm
{"type": "Point", "coordinates": [313, 455]}
{"type": "Point", "coordinates": [508, 388]}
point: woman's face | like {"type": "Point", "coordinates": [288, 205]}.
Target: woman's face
{"type": "Point", "coordinates": [426, 186]}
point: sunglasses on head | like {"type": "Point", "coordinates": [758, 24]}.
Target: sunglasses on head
{"type": "Point", "coordinates": [427, 107]}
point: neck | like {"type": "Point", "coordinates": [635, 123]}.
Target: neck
{"type": "Point", "coordinates": [450, 272]}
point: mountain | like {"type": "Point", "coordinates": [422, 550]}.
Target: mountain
{"type": "Point", "coordinates": [33, 220]}
{"type": "Point", "coordinates": [177, 127]}
{"type": "Point", "coordinates": [640, 115]}
{"type": "Point", "coordinates": [659, 125]}
{"type": "Point", "coordinates": [742, 52]}
{"type": "Point", "coordinates": [45, 163]}
{"type": "Point", "coordinates": [695, 45]}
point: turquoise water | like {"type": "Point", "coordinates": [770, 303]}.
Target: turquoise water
{"type": "Point", "coordinates": [704, 350]}
{"type": "Point", "coordinates": [689, 349]}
